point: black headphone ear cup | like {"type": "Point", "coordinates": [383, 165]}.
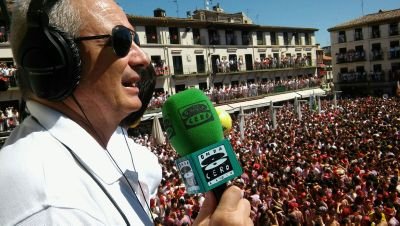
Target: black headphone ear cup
{"type": "Point", "coordinates": [73, 63]}
{"type": "Point", "coordinates": [50, 64]}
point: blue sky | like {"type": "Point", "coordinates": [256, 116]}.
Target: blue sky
{"type": "Point", "coordinates": [320, 14]}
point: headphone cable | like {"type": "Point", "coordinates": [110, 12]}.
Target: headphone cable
{"type": "Point", "coordinates": [115, 162]}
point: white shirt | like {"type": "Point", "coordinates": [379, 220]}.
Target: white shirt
{"type": "Point", "coordinates": [42, 184]}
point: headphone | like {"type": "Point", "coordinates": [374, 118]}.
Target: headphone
{"type": "Point", "coordinates": [48, 58]}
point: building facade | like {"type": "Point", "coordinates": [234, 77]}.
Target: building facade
{"type": "Point", "coordinates": [212, 48]}
{"type": "Point", "coordinates": [366, 54]}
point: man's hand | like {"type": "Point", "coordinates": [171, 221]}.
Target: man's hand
{"type": "Point", "coordinates": [232, 210]}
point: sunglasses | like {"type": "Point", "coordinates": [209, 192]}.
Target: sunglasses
{"type": "Point", "coordinates": [121, 39]}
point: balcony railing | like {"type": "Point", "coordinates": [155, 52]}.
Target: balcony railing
{"type": "Point", "coordinates": [352, 77]}
{"type": "Point", "coordinates": [243, 92]}
{"type": "Point", "coordinates": [356, 77]}
{"type": "Point", "coordinates": [377, 76]}
{"type": "Point", "coordinates": [393, 31]}
{"type": "Point", "coordinates": [350, 56]}
{"type": "Point", "coordinates": [394, 75]}
{"type": "Point", "coordinates": [394, 53]}
{"type": "Point", "coordinates": [376, 55]}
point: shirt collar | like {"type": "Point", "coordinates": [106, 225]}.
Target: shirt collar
{"type": "Point", "coordinates": [78, 140]}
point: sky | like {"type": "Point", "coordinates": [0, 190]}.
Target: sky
{"type": "Point", "coordinates": [319, 14]}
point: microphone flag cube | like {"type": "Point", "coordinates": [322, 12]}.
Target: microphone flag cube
{"type": "Point", "coordinates": [209, 167]}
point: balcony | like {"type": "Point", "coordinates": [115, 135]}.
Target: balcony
{"type": "Point", "coordinates": [352, 77]}
{"type": "Point", "coordinates": [375, 34]}
{"type": "Point", "coordinates": [342, 39]}
{"type": "Point", "coordinates": [394, 75]}
{"type": "Point", "coordinates": [244, 91]}
{"type": "Point", "coordinates": [376, 55]}
{"type": "Point", "coordinates": [350, 56]}
{"type": "Point", "coordinates": [393, 31]}
{"type": "Point", "coordinates": [282, 63]}
{"type": "Point", "coordinates": [360, 77]}
{"type": "Point", "coordinates": [377, 76]}
{"type": "Point", "coordinates": [394, 53]}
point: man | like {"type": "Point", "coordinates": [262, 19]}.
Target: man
{"type": "Point", "coordinates": [61, 166]}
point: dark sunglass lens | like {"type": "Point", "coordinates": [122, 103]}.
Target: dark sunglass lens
{"type": "Point", "coordinates": [122, 40]}
{"type": "Point", "coordinates": [136, 39]}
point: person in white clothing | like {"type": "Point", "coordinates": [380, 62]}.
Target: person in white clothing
{"type": "Point", "coordinates": [69, 162]}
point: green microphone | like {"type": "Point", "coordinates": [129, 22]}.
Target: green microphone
{"type": "Point", "coordinates": [194, 130]}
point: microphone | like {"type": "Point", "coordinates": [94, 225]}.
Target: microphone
{"type": "Point", "coordinates": [194, 130]}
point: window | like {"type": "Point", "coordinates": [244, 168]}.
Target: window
{"type": "Point", "coordinates": [213, 37]}
{"type": "Point", "coordinates": [344, 74]}
{"type": "Point", "coordinates": [375, 32]}
{"type": "Point", "coordinates": [393, 29]}
{"type": "Point", "coordinates": [151, 34]}
{"type": "Point", "coordinates": [245, 38]}
{"type": "Point", "coordinates": [156, 61]}
{"type": "Point", "coordinates": [376, 52]}
{"type": "Point", "coordinates": [230, 37]}
{"type": "Point", "coordinates": [342, 37]}
{"type": "Point", "coordinates": [360, 69]}
{"type": "Point", "coordinates": [394, 50]}
{"type": "Point", "coordinates": [173, 35]}
{"type": "Point", "coordinates": [196, 36]}
{"type": "Point", "coordinates": [360, 53]}
{"type": "Point", "coordinates": [376, 74]}
{"type": "Point", "coordinates": [200, 62]}
{"type": "Point", "coordinates": [158, 65]}
{"type": "Point", "coordinates": [343, 70]}
{"type": "Point", "coordinates": [341, 56]}
{"type": "Point", "coordinates": [273, 38]}
{"type": "Point", "coordinates": [358, 34]}
{"type": "Point", "coordinates": [377, 67]}
{"type": "Point", "coordinates": [285, 38]}
{"type": "Point", "coordinates": [179, 88]}
{"type": "Point", "coordinates": [296, 38]}
{"type": "Point", "coordinates": [260, 38]}
{"type": "Point", "coordinates": [178, 67]}
{"type": "Point", "coordinates": [203, 86]}
{"type": "Point", "coordinates": [307, 39]}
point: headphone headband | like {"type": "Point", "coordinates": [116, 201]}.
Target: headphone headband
{"type": "Point", "coordinates": [48, 57]}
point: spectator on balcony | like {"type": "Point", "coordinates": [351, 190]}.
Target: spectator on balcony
{"type": "Point", "coordinates": [225, 64]}
{"type": "Point", "coordinates": [218, 64]}
{"type": "Point", "coordinates": [3, 35]}
{"type": "Point", "coordinates": [241, 64]}
{"type": "Point", "coordinates": [257, 63]}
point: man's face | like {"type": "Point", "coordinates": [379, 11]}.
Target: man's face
{"type": "Point", "coordinates": [107, 80]}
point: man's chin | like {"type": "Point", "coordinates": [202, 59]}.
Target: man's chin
{"type": "Point", "coordinates": [134, 117]}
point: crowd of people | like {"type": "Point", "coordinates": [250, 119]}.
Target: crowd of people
{"type": "Point", "coordinates": [337, 167]}
{"type": "Point", "coordinates": [7, 76]}
{"type": "Point", "coordinates": [225, 65]}
{"type": "Point", "coordinates": [9, 119]}
{"type": "Point", "coordinates": [283, 62]}
{"type": "Point", "coordinates": [221, 94]}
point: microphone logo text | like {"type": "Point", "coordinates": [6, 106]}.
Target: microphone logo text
{"type": "Point", "coordinates": [215, 165]}
{"type": "Point", "coordinates": [196, 114]}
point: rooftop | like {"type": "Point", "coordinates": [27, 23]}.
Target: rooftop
{"type": "Point", "coordinates": [373, 18]}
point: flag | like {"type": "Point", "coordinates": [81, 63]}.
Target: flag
{"type": "Point", "coordinates": [157, 133]}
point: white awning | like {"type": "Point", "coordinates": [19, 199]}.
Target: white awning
{"type": "Point", "coordinates": [265, 101]}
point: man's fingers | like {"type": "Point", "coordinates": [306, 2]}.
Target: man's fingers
{"type": "Point", "coordinates": [230, 198]}
{"type": "Point", "coordinates": [244, 207]}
